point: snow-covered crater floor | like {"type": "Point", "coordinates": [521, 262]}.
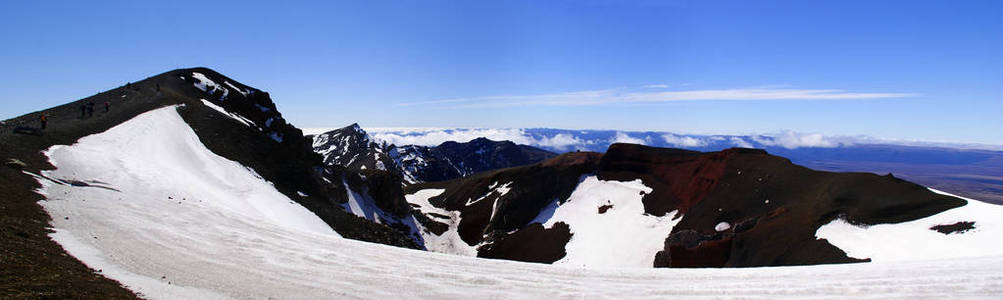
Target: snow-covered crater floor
{"type": "Point", "coordinates": [234, 236]}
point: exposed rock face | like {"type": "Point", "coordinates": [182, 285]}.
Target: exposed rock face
{"type": "Point", "coordinates": [353, 149]}
{"type": "Point", "coordinates": [736, 208]}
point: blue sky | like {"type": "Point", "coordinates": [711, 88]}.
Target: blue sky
{"type": "Point", "coordinates": [917, 70]}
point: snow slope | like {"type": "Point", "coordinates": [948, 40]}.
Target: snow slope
{"type": "Point", "coordinates": [622, 235]}
{"type": "Point", "coordinates": [914, 240]}
{"type": "Point", "coordinates": [237, 238]}
{"type": "Point", "coordinates": [449, 241]}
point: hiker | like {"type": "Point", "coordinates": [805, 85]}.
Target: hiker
{"type": "Point", "coordinates": [158, 87]}
{"type": "Point", "coordinates": [90, 108]}
{"type": "Point", "coordinates": [83, 110]}
{"type": "Point", "coordinates": [44, 119]}
{"type": "Point", "coordinates": [107, 106]}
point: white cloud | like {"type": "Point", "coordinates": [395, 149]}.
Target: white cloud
{"type": "Point", "coordinates": [740, 142]}
{"type": "Point", "coordinates": [561, 141]}
{"type": "Point", "coordinates": [434, 137]}
{"type": "Point", "coordinates": [657, 86]}
{"type": "Point", "coordinates": [621, 96]}
{"type": "Point", "coordinates": [792, 140]}
{"type": "Point", "coordinates": [683, 141]}
{"type": "Point", "coordinates": [625, 138]}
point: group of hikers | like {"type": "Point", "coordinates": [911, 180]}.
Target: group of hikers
{"type": "Point", "coordinates": [87, 109]}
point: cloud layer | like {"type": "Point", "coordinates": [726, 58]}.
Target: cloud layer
{"type": "Point", "coordinates": [559, 140]}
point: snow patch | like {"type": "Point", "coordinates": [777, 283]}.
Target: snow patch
{"type": "Point", "coordinates": [914, 240]}
{"type": "Point", "coordinates": [493, 189]}
{"type": "Point", "coordinates": [234, 116]}
{"type": "Point", "coordinates": [204, 84]}
{"type": "Point", "coordinates": [448, 242]}
{"type": "Point", "coordinates": [235, 88]}
{"type": "Point", "coordinates": [621, 237]}
{"type": "Point", "coordinates": [722, 226]}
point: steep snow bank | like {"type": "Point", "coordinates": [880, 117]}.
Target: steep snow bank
{"type": "Point", "coordinates": [608, 225]}
{"type": "Point", "coordinates": [915, 240]}
{"type": "Point", "coordinates": [157, 164]}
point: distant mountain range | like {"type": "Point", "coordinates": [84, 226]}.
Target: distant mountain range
{"type": "Point", "coordinates": [352, 148]}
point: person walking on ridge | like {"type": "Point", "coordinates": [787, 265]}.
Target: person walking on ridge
{"type": "Point", "coordinates": [43, 119]}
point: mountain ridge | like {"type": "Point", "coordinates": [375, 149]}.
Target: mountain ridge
{"type": "Point", "coordinates": [233, 120]}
